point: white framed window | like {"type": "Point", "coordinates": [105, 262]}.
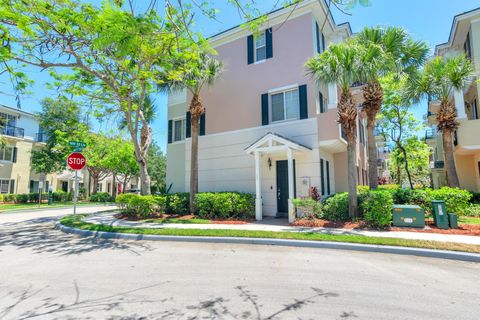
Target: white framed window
{"type": "Point", "coordinates": [260, 47]}
{"type": "Point", "coordinates": [4, 186]}
{"type": "Point", "coordinates": [284, 105]}
{"type": "Point", "coordinates": [178, 132]}
{"type": "Point", "coordinates": [6, 153]}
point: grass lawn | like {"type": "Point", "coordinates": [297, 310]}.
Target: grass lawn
{"type": "Point", "coordinates": [176, 220]}
{"type": "Point", "coordinates": [469, 220]}
{"type": "Point", "coordinates": [8, 207]}
{"type": "Point", "coordinates": [76, 222]}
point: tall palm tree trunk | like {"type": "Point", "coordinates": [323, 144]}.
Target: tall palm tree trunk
{"type": "Point", "coordinates": [194, 162]}
{"type": "Point", "coordinates": [372, 155]}
{"type": "Point", "coordinates": [452, 176]}
{"type": "Point", "coordinates": [352, 180]}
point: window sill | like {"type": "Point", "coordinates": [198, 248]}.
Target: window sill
{"type": "Point", "coordinates": [283, 121]}
{"type": "Point", "coordinates": [177, 142]}
{"type": "Point", "coordinates": [259, 61]}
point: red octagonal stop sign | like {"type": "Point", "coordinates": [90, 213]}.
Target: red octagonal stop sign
{"type": "Point", "coordinates": [76, 161]}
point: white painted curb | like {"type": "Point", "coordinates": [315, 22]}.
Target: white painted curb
{"type": "Point", "coordinates": [442, 254]}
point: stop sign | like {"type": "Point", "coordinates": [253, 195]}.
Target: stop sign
{"type": "Point", "coordinates": [76, 161]}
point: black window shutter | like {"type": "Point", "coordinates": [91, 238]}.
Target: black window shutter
{"type": "Point", "coordinates": [320, 98]}
{"type": "Point", "coordinates": [264, 109]}
{"type": "Point", "coordinates": [12, 186]}
{"type": "Point", "coordinates": [328, 178]}
{"type": "Point", "coordinates": [250, 49]}
{"type": "Point", "coordinates": [322, 179]}
{"type": "Point", "coordinates": [31, 185]}
{"type": "Point", "coordinates": [302, 92]}
{"type": "Point", "coordinates": [14, 158]}
{"type": "Point", "coordinates": [202, 124]}
{"type": "Point", "coordinates": [323, 43]}
{"type": "Point", "coordinates": [317, 37]}
{"type": "Point", "coordinates": [269, 42]}
{"type": "Point", "coordinates": [170, 128]}
{"type": "Point", "coordinates": [188, 124]}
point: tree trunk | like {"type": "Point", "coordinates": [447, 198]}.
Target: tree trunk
{"type": "Point", "coordinates": [399, 175]}
{"type": "Point", "coordinates": [194, 161]}
{"type": "Point", "coordinates": [372, 154]}
{"type": "Point", "coordinates": [352, 181]}
{"type": "Point", "coordinates": [144, 177]}
{"type": "Point", "coordinates": [407, 170]}
{"type": "Point", "coordinates": [114, 185]}
{"type": "Point", "coordinates": [95, 183]}
{"type": "Point", "coordinates": [125, 179]}
{"type": "Point", "coordinates": [452, 177]}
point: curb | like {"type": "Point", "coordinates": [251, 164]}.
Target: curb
{"type": "Point", "coordinates": [440, 254]}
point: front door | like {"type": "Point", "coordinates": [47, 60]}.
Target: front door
{"type": "Point", "coordinates": [282, 187]}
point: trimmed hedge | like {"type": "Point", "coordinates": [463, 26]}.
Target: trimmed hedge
{"type": "Point", "coordinates": [101, 197]}
{"type": "Point", "coordinates": [311, 208]}
{"type": "Point", "coordinates": [178, 203]}
{"type": "Point", "coordinates": [62, 196]}
{"type": "Point", "coordinates": [335, 208]}
{"type": "Point", "coordinates": [377, 207]}
{"type": "Point", "coordinates": [225, 205]}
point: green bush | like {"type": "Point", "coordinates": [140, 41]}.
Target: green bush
{"type": "Point", "coordinates": [1, 197]}
{"type": "Point", "coordinates": [475, 199]}
{"type": "Point", "coordinates": [388, 187]}
{"type": "Point", "coordinates": [22, 198]}
{"type": "Point", "coordinates": [62, 196]}
{"type": "Point", "coordinates": [161, 203]}
{"type": "Point", "coordinates": [472, 211]}
{"type": "Point", "coordinates": [311, 208]}
{"type": "Point", "coordinates": [335, 208]}
{"type": "Point", "coordinates": [178, 203]}
{"type": "Point", "coordinates": [10, 197]}
{"type": "Point", "coordinates": [101, 197]}
{"type": "Point", "coordinates": [456, 200]}
{"type": "Point", "coordinates": [225, 205]}
{"type": "Point", "coordinates": [377, 208]}
{"type": "Point", "coordinates": [417, 197]}
{"type": "Point", "coordinates": [137, 205]}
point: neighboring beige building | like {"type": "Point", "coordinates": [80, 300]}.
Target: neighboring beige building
{"type": "Point", "coordinates": [269, 128]}
{"type": "Point", "coordinates": [464, 39]}
{"type": "Point", "coordinates": [22, 135]}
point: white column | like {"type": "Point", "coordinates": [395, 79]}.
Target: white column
{"type": "Point", "coordinates": [258, 188]}
{"type": "Point", "coordinates": [291, 188]}
{"type": "Point", "coordinates": [332, 96]}
{"type": "Point", "coordinates": [459, 104]}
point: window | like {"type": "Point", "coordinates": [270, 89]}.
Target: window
{"type": "Point", "coordinates": [320, 39]}
{"type": "Point", "coordinates": [474, 110]}
{"type": "Point", "coordinates": [285, 105]}
{"type": "Point", "coordinates": [4, 186]}
{"type": "Point", "coordinates": [100, 187]}
{"type": "Point", "coordinates": [6, 153]}
{"type": "Point", "coordinates": [7, 119]}
{"type": "Point", "coordinates": [179, 130]}
{"type": "Point", "coordinates": [322, 102]}
{"type": "Point", "coordinates": [322, 177]}
{"type": "Point", "coordinates": [467, 47]}
{"type": "Point", "coordinates": [260, 47]}
{"type": "Point", "coordinates": [361, 131]}
{"type": "Point", "coordinates": [328, 177]}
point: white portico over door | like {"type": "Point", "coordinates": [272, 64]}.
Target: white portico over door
{"type": "Point", "coordinates": [274, 144]}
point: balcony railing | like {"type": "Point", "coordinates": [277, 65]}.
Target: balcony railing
{"type": "Point", "coordinates": [41, 137]}
{"type": "Point", "coordinates": [430, 134]}
{"type": "Point", "coordinates": [13, 131]}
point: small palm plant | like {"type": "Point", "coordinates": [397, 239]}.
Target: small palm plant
{"type": "Point", "coordinates": [201, 72]}
{"type": "Point", "coordinates": [440, 78]}
{"type": "Point", "coordinates": [399, 55]}
{"type": "Point", "coordinates": [342, 64]}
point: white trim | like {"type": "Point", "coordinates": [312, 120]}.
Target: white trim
{"type": "Point", "coordinates": [260, 61]}
{"type": "Point", "coordinates": [282, 89]}
{"type": "Point", "coordinates": [269, 137]}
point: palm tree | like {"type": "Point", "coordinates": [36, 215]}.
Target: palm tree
{"type": "Point", "coordinates": [440, 78]}
{"type": "Point", "coordinates": [201, 73]}
{"type": "Point", "coordinates": [340, 64]}
{"type": "Point", "coordinates": [400, 55]}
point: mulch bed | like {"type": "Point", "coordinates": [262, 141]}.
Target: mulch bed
{"type": "Point", "coordinates": [176, 216]}
{"type": "Point", "coordinates": [463, 229]}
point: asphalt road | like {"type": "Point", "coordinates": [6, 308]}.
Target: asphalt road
{"type": "Point", "coordinates": [46, 274]}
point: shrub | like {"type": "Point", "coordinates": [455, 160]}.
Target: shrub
{"type": "Point", "coordinates": [22, 198]}
{"type": "Point", "coordinates": [377, 207]}
{"type": "Point", "coordinates": [1, 197]}
{"type": "Point", "coordinates": [417, 197]}
{"type": "Point", "coordinates": [62, 196]}
{"type": "Point", "coordinates": [472, 211]}
{"type": "Point", "coordinates": [10, 197]}
{"type": "Point", "coordinates": [335, 208]}
{"type": "Point", "coordinates": [456, 200]}
{"type": "Point", "coordinates": [161, 203]}
{"type": "Point", "coordinates": [311, 208]}
{"type": "Point", "coordinates": [101, 197]}
{"type": "Point", "coordinates": [389, 187]}
{"type": "Point", "coordinates": [137, 205]}
{"type": "Point", "coordinates": [178, 203]}
{"type": "Point", "coordinates": [363, 188]}
{"type": "Point", "coordinates": [475, 199]}
{"type": "Point", "coordinates": [225, 205]}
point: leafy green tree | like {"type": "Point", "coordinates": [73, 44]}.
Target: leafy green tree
{"type": "Point", "coordinates": [157, 166]}
{"type": "Point", "coordinates": [121, 162]}
{"type": "Point", "coordinates": [204, 71]}
{"type": "Point", "coordinates": [114, 56]}
{"type": "Point", "coordinates": [400, 54]}
{"type": "Point", "coordinates": [440, 78]}
{"type": "Point", "coordinates": [341, 64]}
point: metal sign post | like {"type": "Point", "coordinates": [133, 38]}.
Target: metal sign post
{"type": "Point", "coordinates": [76, 161]}
{"type": "Point", "coordinates": [75, 193]}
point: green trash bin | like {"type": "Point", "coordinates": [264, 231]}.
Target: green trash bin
{"type": "Point", "coordinates": [452, 220]}
{"type": "Point", "coordinates": [440, 214]}
{"type": "Point", "coordinates": [408, 216]}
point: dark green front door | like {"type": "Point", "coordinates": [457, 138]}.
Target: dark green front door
{"type": "Point", "coordinates": [282, 187]}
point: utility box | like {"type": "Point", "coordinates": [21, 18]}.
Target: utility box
{"type": "Point", "coordinates": [408, 216]}
{"type": "Point", "coordinates": [440, 214]}
{"type": "Point", "coordinates": [452, 220]}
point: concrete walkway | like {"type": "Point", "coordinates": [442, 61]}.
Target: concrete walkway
{"type": "Point", "coordinates": [109, 219]}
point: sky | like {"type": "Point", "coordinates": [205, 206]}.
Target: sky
{"type": "Point", "coordinates": [429, 20]}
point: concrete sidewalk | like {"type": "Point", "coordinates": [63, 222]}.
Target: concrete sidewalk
{"type": "Point", "coordinates": [109, 219]}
